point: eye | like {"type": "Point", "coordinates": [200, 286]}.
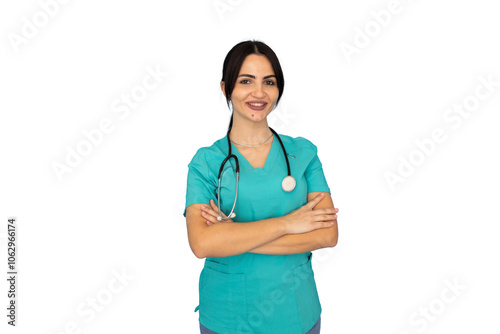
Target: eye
{"type": "Point", "coordinates": [244, 81]}
{"type": "Point", "coordinates": [270, 83]}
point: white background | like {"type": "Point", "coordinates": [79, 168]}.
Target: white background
{"type": "Point", "coordinates": [121, 208]}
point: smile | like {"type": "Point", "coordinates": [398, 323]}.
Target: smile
{"type": "Point", "coordinates": [256, 105]}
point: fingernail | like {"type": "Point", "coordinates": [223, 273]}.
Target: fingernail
{"type": "Point", "coordinates": [202, 207]}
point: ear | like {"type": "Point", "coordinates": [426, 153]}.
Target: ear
{"type": "Point", "coordinates": [222, 86]}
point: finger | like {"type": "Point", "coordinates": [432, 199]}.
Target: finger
{"type": "Point", "coordinates": [311, 204]}
{"type": "Point", "coordinates": [209, 214]}
{"type": "Point", "coordinates": [213, 209]}
{"type": "Point", "coordinates": [214, 212]}
{"type": "Point", "coordinates": [325, 211]}
{"type": "Point", "coordinates": [210, 218]}
{"type": "Point", "coordinates": [324, 224]}
{"type": "Point", "coordinates": [216, 209]}
{"type": "Point", "coordinates": [209, 211]}
{"type": "Point", "coordinates": [325, 218]}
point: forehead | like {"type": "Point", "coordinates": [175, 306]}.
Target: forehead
{"type": "Point", "coordinates": [257, 65]}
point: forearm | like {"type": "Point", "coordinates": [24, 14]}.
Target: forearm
{"type": "Point", "coordinates": [304, 242]}
{"type": "Point", "coordinates": [227, 239]}
{"type": "Point", "coordinates": [300, 243]}
{"type": "Point", "coordinates": [210, 238]}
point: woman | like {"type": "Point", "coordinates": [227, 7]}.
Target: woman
{"type": "Point", "coordinates": [257, 276]}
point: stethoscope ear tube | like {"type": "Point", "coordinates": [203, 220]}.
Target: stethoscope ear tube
{"type": "Point", "coordinates": [224, 162]}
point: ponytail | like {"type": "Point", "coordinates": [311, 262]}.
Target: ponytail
{"type": "Point", "coordinates": [230, 122]}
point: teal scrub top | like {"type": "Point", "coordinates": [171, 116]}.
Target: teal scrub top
{"type": "Point", "coordinates": [257, 293]}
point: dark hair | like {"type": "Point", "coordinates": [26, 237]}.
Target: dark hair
{"type": "Point", "coordinates": [234, 60]}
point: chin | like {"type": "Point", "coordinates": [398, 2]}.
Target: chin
{"type": "Point", "coordinates": [258, 118]}
{"type": "Point", "coordinates": [255, 115]}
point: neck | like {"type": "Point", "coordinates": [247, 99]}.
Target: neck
{"type": "Point", "coordinates": [247, 132]}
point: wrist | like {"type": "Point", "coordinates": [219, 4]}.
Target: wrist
{"type": "Point", "coordinates": [284, 225]}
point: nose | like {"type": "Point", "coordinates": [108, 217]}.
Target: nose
{"type": "Point", "coordinates": [258, 91]}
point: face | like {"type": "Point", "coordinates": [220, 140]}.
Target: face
{"type": "Point", "coordinates": [256, 91]}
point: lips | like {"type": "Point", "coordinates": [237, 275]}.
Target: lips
{"type": "Point", "coordinates": [256, 105]}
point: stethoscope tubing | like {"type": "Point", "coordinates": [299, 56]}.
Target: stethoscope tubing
{"type": "Point", "coordinates": [229, 156]}
{"type": "Point", "coordinates": [231, 214]}
{"type": "Point", "coordinates": [284, 151]}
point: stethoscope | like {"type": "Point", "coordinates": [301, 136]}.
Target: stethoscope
{"type": "Point", "coordinates": [288, 183]}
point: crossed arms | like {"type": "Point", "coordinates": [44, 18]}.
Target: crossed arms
{"type": "Point", "coordinates": [288, 234]}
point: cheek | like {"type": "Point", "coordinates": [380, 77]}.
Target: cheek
{"type": "Point", "coordinates": [239, 96]}
{"type": "Point", "coordinates": [273, 93]}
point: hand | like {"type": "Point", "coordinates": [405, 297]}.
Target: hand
{"type": "Point", "coordinates": [210, 213]}
{"type": "Point", "coordinates": [305, 219]}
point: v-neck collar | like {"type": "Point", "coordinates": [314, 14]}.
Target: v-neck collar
{"type": "Point", "coordinates": [268, 165]}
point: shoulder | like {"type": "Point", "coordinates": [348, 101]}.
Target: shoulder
{"type": "Point", "coordinates": [206, 154]}
{"type": "Point", "coordinates": [295, 144]}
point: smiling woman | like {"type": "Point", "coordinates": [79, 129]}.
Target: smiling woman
{"type": "Point", "coordinates": [254, 91]}
{"type": "Point", "coordinates": [257, 276]}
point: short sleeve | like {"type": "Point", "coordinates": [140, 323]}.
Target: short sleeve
{"type": "Point", "coordinates": [314, 175]}
{"type": "Point", "coordinates": [200, 186]}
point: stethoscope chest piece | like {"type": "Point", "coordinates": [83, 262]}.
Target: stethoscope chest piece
{"type": "Point", "coordinates": [288, 183]}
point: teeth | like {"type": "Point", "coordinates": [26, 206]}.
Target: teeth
{"type": "Point", "coordinates": [256, 104]}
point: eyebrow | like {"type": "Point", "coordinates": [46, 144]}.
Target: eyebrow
{"type": "Point", "coordinates": [253, 76]}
